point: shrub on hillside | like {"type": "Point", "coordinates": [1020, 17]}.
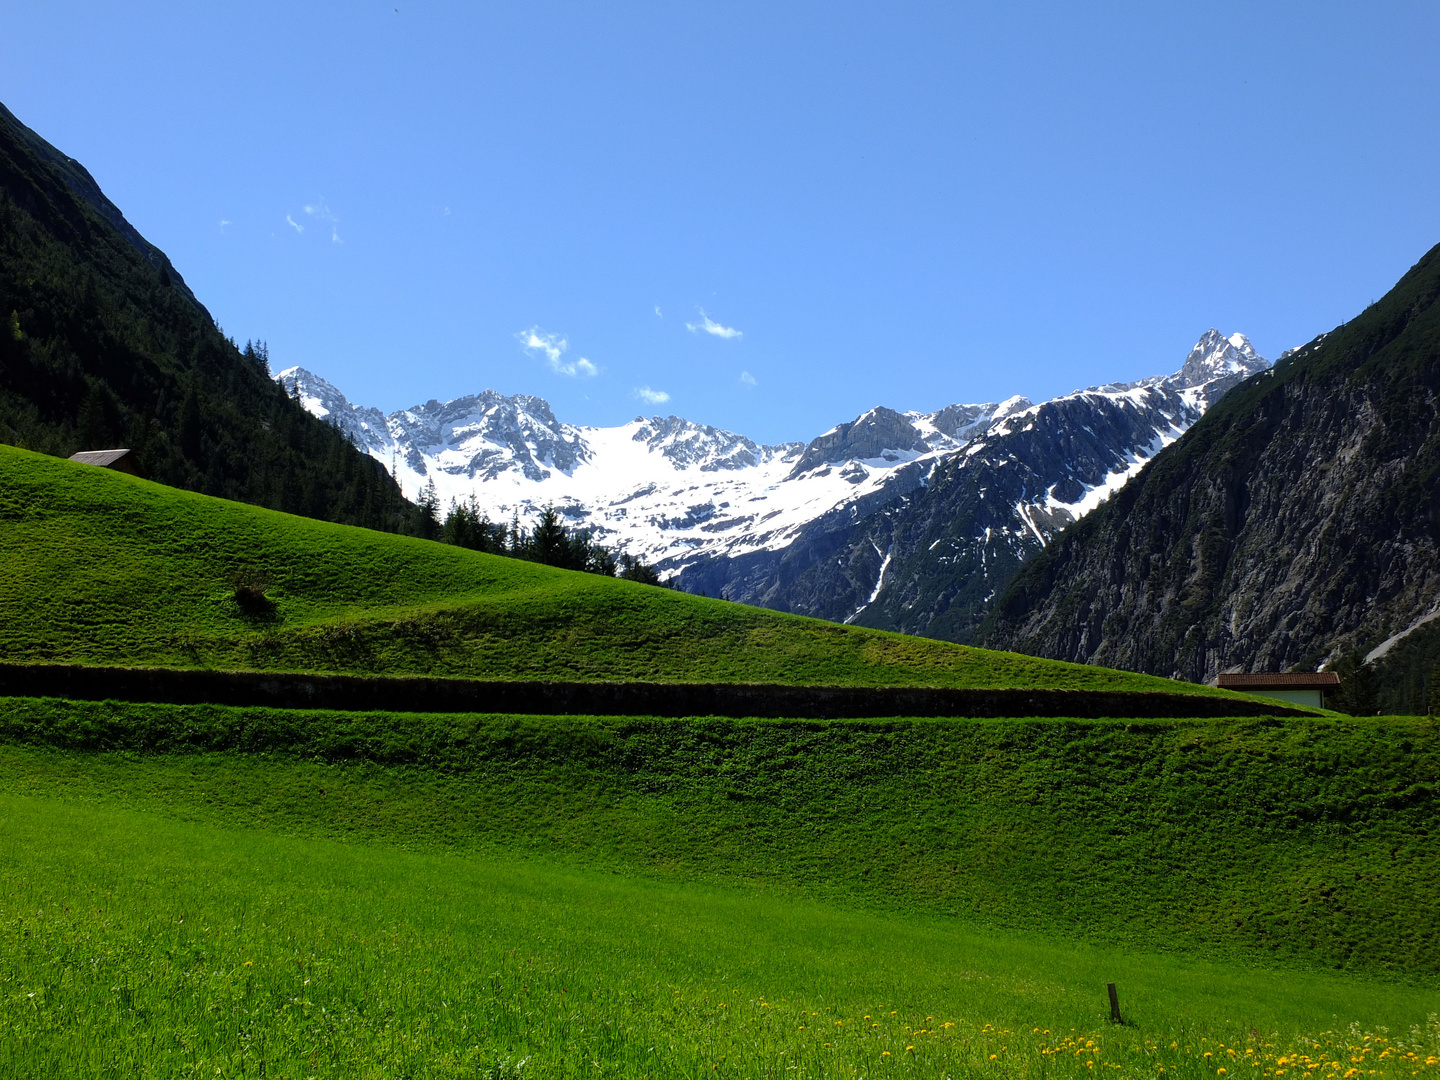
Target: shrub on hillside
{"type": "Point", "coordinates": [250, 586]}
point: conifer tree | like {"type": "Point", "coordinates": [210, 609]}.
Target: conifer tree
{"type": "Point", "coordinates": [427, 512]}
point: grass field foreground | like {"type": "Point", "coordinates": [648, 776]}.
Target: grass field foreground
{"type": "Point", "coordinates": [1307, 843]}
{"type": "Point", "coordinates": [150, 947]}
{"type": "Point", "coordinates": [105, 568]}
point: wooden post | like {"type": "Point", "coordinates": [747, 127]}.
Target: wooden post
{"type": "Point", "coordinates": [1114, 1004]}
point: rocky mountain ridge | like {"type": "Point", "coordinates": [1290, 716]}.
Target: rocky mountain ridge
{"type": "Point", "coordinates": [863, 523]}
{"type": "Point", "coordinates": [930, 559]}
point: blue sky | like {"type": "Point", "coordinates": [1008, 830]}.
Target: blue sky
{"type": "Point", "coordinates": [779, 215]}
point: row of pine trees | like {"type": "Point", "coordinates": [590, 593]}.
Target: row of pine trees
{"type": "Point", "coordinates": [550, 542]}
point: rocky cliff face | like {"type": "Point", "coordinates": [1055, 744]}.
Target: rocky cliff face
{"type": "Point", "coordinates": [1296, 521]}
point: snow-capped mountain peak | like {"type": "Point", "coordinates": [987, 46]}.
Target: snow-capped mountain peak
{"type": "Point", "coordinates": [686, 444]}
{"type": "Point", "coordinates": [366, 428]}
{"type": "Point", "coordinates": [1012, 405]}
{"type": "Point", "coordinates": [695, 499]}
{"type": "Point", "coordinates": [1216, 357]}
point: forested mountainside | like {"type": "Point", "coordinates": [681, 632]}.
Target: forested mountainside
{"type": "Point", "coordinates": [1296, 523]}
{"type": "Point", "coordinates": [103, 345]}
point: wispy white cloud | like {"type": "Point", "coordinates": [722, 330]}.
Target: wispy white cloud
{"type": "Point", "coordinates": [535, 339]}
{"type": "Point", "coordinates": [294, 224]}
{"type": "Point", "coordinates": [710, 326]}
{"type": "Point", "coordinates": [747, 378]}
{"type": "Point", "coordinates": [658, 313]}
{"type": "Point", "coordinates": [654, 397]}
{"type": "Point", "coordinates": [224, 222]}
{"type": "Point", "coordinates": [554, 346]}
{"type": "Point", "coordinates": [321, 212]}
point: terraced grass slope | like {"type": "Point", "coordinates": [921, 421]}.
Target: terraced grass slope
{"type": "Point", "coordinates": [1311, 843]}
{"type": "Point", "coordinates": [632, 897]}
{"type": "Point", "coordinates": [100, 567]}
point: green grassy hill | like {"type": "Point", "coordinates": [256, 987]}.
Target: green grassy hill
{"type": "Point", "coordinates": [105, 568]}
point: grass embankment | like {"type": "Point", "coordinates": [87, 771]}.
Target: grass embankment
{"type": "Point", "coordinates": [1307, 843]}
{"type": "Point", "coordinates": [135, 945]}
{"type": "Point", "coordinates": [107, 569]}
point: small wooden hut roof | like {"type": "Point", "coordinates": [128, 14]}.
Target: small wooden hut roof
{"type": "Point", "coordinates": [106, 459]}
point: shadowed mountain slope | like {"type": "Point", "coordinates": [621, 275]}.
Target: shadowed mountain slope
{"type": "Point", "coordinates": [1297, 521]}
{"type": "Point", "coordinates": [929, 553]}
{"type": "Point", "coordinates": [103, 345]}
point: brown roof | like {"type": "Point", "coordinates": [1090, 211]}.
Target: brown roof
{"type": "Point", "coordinates": [98, 457]}
{"type": "Point", "coordinates": [1288, 680]}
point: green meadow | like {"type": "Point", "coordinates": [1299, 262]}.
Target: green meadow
{"type": "Point", "coordinates": [137, 944]}
{"type": "Point", "coordinates": [109, 569]}
{"type": "Point", "coordinates": [192, 891]}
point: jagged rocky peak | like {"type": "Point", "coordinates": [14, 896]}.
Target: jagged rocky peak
{"type": "Point", "coordinates": [955, 420]}
{"type": "Point", "coordinates": [319, 396]}
{"type": "Point", "coordinates": [490, 414]}
{"type": "Point", "coordinates": [1217, 363]}
{"type": "Point", "coordinates": [1215, 354]}
{"type": "Point", "coordinates": [880, 433]}
{"type": "Point", "coordinates": [953, 426]}
{"type": "Point", "coordinates": [1011, 406]}
{"type": "Point", "coordinates": [480, 434]}
{"type": "Point", "coordinates": [687, 444]}
{"type": "Point", "coordinates": [367, 428]}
